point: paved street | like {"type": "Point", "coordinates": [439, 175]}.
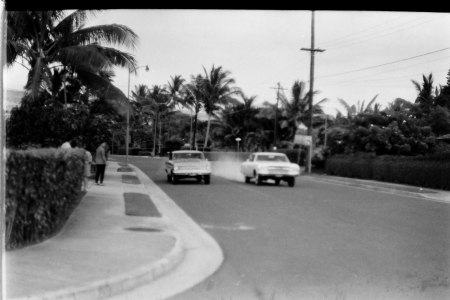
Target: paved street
{"type": "Point", "coordinates": [314, 241]}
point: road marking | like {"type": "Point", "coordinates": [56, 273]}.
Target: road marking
{"type": "Point", "coordinates": [236, 226]}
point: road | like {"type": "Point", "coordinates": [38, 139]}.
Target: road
{"type": "Point", "coordinates": [315, 240]}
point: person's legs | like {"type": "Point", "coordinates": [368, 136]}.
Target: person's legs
{"type": "Point", "coordinates": [97, 173]}
{"type": "Point", "coordinates": [102, 172]}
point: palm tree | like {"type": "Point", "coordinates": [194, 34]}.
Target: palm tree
{"type": "Point", "coordinates": [359, 108]}
{"type": "Point", "coordinates": [195, 99]}
{"type": "Point", "coordinates": [236, 121]}
{"type": "Point", "coordinates": [175, 89]}
{"type": "Point", "coordinates": [158, 99]}
{"type": "Point", "coordinates": [44, 40]}
{"type": "Point", "coordinates": [399, 105]}
{"type": "Point", "coordinates": [425, 95]}
{"type": "Point", "coordinates": [296, 110]}
{"type": "Point", "coordinates": [218, 92]}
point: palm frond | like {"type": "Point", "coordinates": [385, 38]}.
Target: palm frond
{"type": "Point", "coordinates": [369, 105]}
{"type": "Point", "coordinates": [112, 34]}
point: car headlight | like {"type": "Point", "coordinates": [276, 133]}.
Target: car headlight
{"type": "Point", "coordinates": [175, 168]}
{"type": "Point", "coordinates": [208, 167]}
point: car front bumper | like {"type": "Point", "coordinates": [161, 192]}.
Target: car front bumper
{"type": "Point", "coordinates": [193, 173]}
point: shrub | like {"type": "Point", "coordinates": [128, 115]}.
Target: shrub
{"type": "Point", "coordinates": [426, 171]}
{"type": "Point", "coordinates": [40, 186]}
{"type": "Point", "coordinates": [145, 153]}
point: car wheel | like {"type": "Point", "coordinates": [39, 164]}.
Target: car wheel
{"type": "Point", "coordinates": [207, 179]}
{"type": "Point", "coordinates": [247, 179]}
{"type": "Point", "coordinates": [277, 181]}
{"type": "Point", "coordinates": [199, 178]}
{"type": "Point", "coordinates": [291, 182]}
{"type": "Point", "coordinates": [174, 178]}
{"type": "Point", "coordinates": [169, 178]}
{"type": "Point", "coordinates": [258, 179]}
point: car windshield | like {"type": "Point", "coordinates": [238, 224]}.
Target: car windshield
{"type": "Point", "coordinates": [188, 156]}
{"type": "Point", "coordinates": [269, 157]}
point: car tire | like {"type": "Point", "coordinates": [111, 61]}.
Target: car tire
{"type": "Point", "coordinates": [207, 179]}
{"type": "Point", "coordinates": [277, 181]}
{"type": "Point", "coordinates": [199, 179]}
{"type": "Point", "coordinates": [291, 182]}
{"type": "Point", "coordinates": [247, 179]}
{"type": "Point", "coordinates": [174, 178]}
{"type": "Point", "coordinates": [169, 178]}
{"type": "Point", "coordinates": [258, 179]}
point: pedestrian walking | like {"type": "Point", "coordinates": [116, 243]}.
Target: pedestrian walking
{"type": "Point", "coordinates": [100, 163]}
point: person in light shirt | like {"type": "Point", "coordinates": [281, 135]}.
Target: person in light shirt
{"type": "Point", "coordinates": [100, 162]}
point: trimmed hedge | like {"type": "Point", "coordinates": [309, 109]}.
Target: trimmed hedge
{"type": "Point", "coordinates": [426, 171]}
{"type": "Point", "coordinates": [40, 185]}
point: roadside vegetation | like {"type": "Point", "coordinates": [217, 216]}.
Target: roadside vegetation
{"type": "Point", "coordinates": [70, 94]}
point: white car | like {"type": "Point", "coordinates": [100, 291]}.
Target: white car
{"type": "Point", "coordinates": [188, 164]}
{"type": "Point", "coordinates": [269, 165]}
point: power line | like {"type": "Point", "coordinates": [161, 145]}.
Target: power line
{"type": "Point", "coordinates": [364, 29]}
{"type": "Point", "coordinates": [380, 79]}
{"type": "Point", "coordinates": [343, 46]}
{"type": "Point", "coordinates": [358, 79]}
{"type": "Point", "coordinates": [383, 64]}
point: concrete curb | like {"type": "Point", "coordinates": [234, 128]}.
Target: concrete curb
{"type": "Point", "coordinates": [112, 286]}
{"type": "Point", "coordinates": [375, 188]}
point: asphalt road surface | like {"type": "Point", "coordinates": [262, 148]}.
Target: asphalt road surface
{"type": "Point", "coordinates": [315, 240]}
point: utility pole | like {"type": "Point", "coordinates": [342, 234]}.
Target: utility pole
{"type": "Point", "coordinates": [278, 88]}
{"type": "Point", "coordinates": [311, 88]}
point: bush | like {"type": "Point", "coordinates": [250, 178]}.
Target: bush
{"type": "Point", "coordinates": [40, 186]}
{"type": "Point", "coordinates": [426, 171]}
{"type": "Point", "coordinates": [145, 153]}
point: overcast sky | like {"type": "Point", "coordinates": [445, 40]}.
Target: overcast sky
{"type": "Point", "coordinates": [262, 48]}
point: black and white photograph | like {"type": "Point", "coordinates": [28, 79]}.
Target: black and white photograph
{"type": "Point", "coordinates": [225, 154]}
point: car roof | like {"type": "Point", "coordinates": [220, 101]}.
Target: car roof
{"type": "Point", "coordinates": [187, 151]}
{"type": "Point", "coordinates": [269, 153]}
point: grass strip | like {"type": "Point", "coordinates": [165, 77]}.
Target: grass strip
{"type": "Point", "coordinates": [140, 205]}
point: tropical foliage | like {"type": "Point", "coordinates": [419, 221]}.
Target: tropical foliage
{"type": "Point", "coordinates": [70, 93]}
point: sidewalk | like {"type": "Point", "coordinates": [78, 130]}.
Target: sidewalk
{"type": "Point", "coordinates": [231, 171]}
{"type": "Point", "coordinates": [102, 252]}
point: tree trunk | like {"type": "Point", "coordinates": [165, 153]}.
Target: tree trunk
{"type": "Point", "coordinates": [207, 133]}
{"type": "Point", "coordinates": [195, 131]}
{"type": "Point", "coordinates": [154, 136]}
